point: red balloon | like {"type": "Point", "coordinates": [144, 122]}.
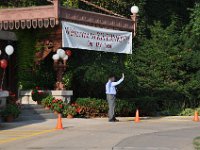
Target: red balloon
{"type": "Point", "coordinates": [68, 53]}
{"type": "Point", "coordinates": [3, 63]}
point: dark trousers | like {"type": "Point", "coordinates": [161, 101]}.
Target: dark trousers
{"type": "Point", "coordinates": [111, 104]}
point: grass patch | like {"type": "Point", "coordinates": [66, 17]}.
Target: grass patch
{"type": "Point", "coordinates": [196, 143]}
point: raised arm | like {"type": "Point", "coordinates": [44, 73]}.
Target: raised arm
{"type": "Point", "coordinates": [118, 82]}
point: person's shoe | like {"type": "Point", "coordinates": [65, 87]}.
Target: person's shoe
{"type": "Point", "coordinates": [111, 120]}
{"type": "Point", "coordinates": [116, 120]}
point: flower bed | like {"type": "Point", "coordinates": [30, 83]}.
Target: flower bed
{"type": "Point", "coordinates": [89, 107]}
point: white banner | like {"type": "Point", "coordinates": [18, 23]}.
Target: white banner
{"type": "Point", "coordinates": [93, 38]}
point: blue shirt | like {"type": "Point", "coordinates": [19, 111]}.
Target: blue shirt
{"type": "Point", "coordinates": [110, 86]}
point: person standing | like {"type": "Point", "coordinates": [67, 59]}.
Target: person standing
{"type": "Point", "coordinates": [111, 96]}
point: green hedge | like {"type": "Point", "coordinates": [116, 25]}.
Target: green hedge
{"type": "Point", "coordinates": [148, 106]}
{"type": "Point", "coordinates": [125, 108]}
{"type": "Point", "coordinates": [92, 107]}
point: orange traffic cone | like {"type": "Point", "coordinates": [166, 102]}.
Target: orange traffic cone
{"type": "Point", "coordinates": [137, 117]}
{"type": "Point", "coordinates": [59, 123]}
{"type": "Point", "coordinates": [196, 117]}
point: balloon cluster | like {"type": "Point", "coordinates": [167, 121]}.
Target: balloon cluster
{"type": "Point", "coordinates": [61, 54]}
{"type": "Point", "coordinates": [9, 51]}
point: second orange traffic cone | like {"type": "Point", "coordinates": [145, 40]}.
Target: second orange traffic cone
{"type": "Point", "coordinates": [59, 123]}
{"type": "Point", "coordinates": [137, 117]}
{"type": "Point", "coordinates": [196, 117]}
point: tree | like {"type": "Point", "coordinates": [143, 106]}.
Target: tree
{"type": "Point", "coordinates": [190, 38]}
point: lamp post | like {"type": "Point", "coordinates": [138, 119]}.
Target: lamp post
{"type": "Point", "coordinates": [134, 11]}
{"type": "Point", "coordinates": [60, 65]}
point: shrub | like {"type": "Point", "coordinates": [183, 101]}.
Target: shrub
{"type": "Point", "coordinates": [147, 105]}
{"type": "Point", "coordinates": [38, 94]}
{"type": "Point", "coordinates": [198, 110]}
{"type": "Point", "coordinates": [187, 112]}
{"type": "Point", "coordinates": [125, 108]}
{"type": "Point", "coordinates": [47, 101]}
{"type": "Point", "coordinates": [173, 111]}
{"type": "Point", "coordinates": [91, 107]}
{"type": "Point", "coordinates": [65, 112]}
{"type": "Point", "coordinates": [11, 110]}
{"type": "Point", "coordinates": [57, 105]}
{"type": "Point", "coordinates": [69, 110]}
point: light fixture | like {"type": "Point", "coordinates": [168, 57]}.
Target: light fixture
{"type": "Point", "coordinates": [134, 11]}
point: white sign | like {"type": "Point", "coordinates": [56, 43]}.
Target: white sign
{"type": "Point", "coordinates": [98, 39]}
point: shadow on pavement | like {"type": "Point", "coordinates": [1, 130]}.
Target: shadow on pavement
{"type": "Point", "coordinates": [30, 114]}
{"type": "Point", "coordinates": [16, 124]}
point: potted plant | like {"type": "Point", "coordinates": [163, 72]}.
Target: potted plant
{"type": "Point", "coordinates": [57, 106]}
{"type": "Point", "coordinates": [69, 111]}
{"type": "Point", "coordinates": [38, 94]}
{"type": "Point", "coordinates": [10, 112]}
{"type": "Point", "coordinates": [47, 101]}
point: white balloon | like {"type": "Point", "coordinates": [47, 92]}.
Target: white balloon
{"type": "Point", "coordinates": [55, 57]}
{"type": "Point", "coordinates": [134, 9]}
{"type": "Point", "coordinates": [62, 54]}
{"type": "Point", "coordinates": [9, 50]}
{"type": "Point", "coordinates": [66, 57]}
{"type": "Point", "coordinates": [58, 51]}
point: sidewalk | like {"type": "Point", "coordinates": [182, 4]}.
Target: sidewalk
{"type": "Point", "coordinates": [166, 133]}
